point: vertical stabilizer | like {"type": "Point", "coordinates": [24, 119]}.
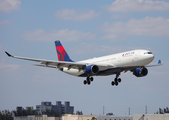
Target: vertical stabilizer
{"type": "Point", "coordinates": [61, 53]}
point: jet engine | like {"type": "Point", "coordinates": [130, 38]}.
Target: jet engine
{"type": "Point", "coordinates": [92, 69]}
{"type": "Point", "coordinates": [140, 72]}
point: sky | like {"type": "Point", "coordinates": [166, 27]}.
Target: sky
{"type": "Point", "coordinates": [86, 29]}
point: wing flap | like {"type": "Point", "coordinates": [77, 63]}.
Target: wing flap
{"type": "Point", "coordinates": [44, 66]}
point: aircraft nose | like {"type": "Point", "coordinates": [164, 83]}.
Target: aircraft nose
{"type": "Point", "coordinates": [152, 57]}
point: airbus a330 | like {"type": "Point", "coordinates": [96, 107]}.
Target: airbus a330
{"type": "Point", "coordinates": [135, 61]}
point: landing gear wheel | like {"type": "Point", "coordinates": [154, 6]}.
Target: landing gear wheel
{"type": "Point", "coordinates": [119, 80]}
{"type": "Point", "coordinates": [84, 82]}
{"type": "Point", "coordinates": [91, 79]}
{"type": "Point", "coordinates": [88, 78]}
{"type": "Point", "coordinates": [115, 80]}
{"type": "Point", "coordinates": [116, 83]}
{"type": "Point", "coordinates": [88, 82]}
{"type": "Point", "coordinates": [112, 83]}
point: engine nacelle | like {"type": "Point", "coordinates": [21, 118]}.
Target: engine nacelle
{"type": "Point", "coordinates": [92, 69]}
{"type": "Point", "coordinates": [140, 72]}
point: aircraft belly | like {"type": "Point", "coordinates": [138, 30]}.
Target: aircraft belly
{"type": "Point", "coordinates": [106, 72]}
{"type": "Point", "coordinates": [81, 73]}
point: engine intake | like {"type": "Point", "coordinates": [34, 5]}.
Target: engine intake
{"type": "Point", "coordinates": [140, 72]}
{"type": "Point", "coordinates": [92, 69]}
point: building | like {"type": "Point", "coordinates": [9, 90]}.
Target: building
{"type": "Point", "coordinates": [94, 117]}
{"type": "Point", "coordinates": [19, 108]}
{"type": "Point", "coordinates": [151, 116]}
{"type": "Point", "coordinates": [66, 117]}
{"type": "Point", "coordinates": [37, 117]}
{"type": "Point", "coordinates": [29, 108]}
{"type": "Point", "coordinates": [111, 117]}
{"type": "Point", "coordinates": [64, 109]}
{"type": "Point", "coordinates": [79, 117]}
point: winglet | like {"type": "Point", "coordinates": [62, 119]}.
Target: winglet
{"type": "Point", "coordinates": [8, 54]}
{"type": "Point", "coordinates": [159, 62]}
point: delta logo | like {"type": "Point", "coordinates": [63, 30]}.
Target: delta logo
{"type": "Point", "coordinates": [128, 54]}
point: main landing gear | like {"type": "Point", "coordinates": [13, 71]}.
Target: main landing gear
{"type": "Point", "coordinates": [88, 80]}
{"type": "Point", "coordinates": [116, 80]}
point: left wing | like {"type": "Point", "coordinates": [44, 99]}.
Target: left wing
{"type": "Point", "coordinates": [132, 68]}
{"type": "Point", "coordinates": [159, 63]}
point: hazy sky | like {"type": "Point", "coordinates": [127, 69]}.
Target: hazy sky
{"type": "Point", "coordinates": [86, 29]}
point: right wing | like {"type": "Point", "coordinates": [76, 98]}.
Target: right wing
{"type": "Point", "coordinates": [51, 63]}
{"type": "Point", "coordinates": [60, 64]}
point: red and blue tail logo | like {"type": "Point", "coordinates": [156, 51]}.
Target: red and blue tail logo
{"type": "Point", "coordinates": [61, 53]}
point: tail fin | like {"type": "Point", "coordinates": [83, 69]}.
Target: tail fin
{"type": "Point", "coordinates": [61, 53]}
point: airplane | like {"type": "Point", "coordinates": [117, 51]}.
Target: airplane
{"type": "Point", "coordinates": [135, 61]}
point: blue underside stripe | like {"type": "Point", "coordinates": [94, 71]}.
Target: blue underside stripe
{"type": "Point", "coordinates": [104, 72]}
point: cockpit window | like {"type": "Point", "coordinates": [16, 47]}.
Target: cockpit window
{"type": "Point", "coordinates": [148, 53]}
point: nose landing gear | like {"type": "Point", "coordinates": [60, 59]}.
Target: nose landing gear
{"type": "Point", "coordinates": [88, 80]}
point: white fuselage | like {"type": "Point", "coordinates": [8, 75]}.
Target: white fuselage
{"type": "Point", "coordinates": [124, 59]}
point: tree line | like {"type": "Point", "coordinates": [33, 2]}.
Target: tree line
{"type": "Point", "coordinates": [5, 115]}
{"type": "Point", "coordinates": [30, 111]}
{"type": "Point", "coordinates": [23, 112]}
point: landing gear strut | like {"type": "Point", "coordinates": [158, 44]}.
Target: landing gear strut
{"type": "Point", "coordinates": [116, 80]}
{"type": "Point", "coordinates": [88, 80]}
